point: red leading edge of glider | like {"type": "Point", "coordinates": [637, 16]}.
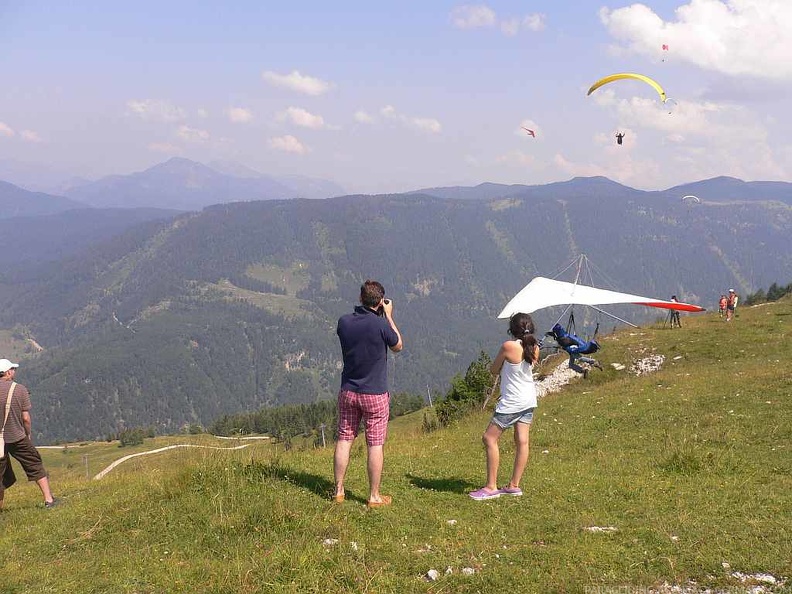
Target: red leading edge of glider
{"type": "Point", "coordinates": [531, 132]}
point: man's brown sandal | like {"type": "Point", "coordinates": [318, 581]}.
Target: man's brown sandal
{"type": "Point", "coordinates": [386, 500]}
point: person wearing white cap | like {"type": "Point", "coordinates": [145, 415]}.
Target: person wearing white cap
{"type": "Point", "coordinates": [731, 303]}
{"type": "Point", "coordinates": [16, 430]}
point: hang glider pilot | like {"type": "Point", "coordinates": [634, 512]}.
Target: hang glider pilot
{"type": "Point", "coordinates": [577, 348]}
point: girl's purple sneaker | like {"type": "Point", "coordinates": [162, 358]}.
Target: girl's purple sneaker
{"type": "Point", "coordinates": [515, 491]}
{"type": "Point", "coordinates": [485, 493]}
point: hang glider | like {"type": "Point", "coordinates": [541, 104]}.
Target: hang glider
{"type": "Point", "coordinates": [544, 292]}
{"type": "Point", "coordinates": [531, 132]}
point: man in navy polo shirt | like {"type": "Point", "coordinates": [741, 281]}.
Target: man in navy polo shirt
{"type": "Point", "coordinates": [365, 335]}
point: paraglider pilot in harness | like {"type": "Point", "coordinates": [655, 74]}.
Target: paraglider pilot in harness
{"type": "Point", "coordinates": [576, 347]}
{"type": "Point", "coordinates": [619, 137]}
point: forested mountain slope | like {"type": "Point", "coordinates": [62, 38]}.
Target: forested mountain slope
{"type": "Point", "coordinates": [235, 307]}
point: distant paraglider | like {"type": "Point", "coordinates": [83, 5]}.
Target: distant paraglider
{"type": "Point", "coordinates": [619, 137]}
{"type": "Point", "coordinates": [690, 200]}
{"type": "Point", "coordinates": [629, 75]}
{"type": "Point", "coordinates": [530, 132]}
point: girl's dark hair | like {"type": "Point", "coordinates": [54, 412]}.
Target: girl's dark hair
{"type": "Point", "coordinates": [521, 326]}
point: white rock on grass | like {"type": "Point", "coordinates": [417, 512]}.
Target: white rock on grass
{"type": "Point", "coordinates": [432, 575]}
{"type": "Point", "coordinates": [601, 529]}
{"type": "Point", "coordinates": [757, 577]}
{"type": "Point", "coordinates": [647, 364]}
{"type": "Point", "coordinates": [468, 571]}
{"type": "Point", "coordinates": [330, 542]}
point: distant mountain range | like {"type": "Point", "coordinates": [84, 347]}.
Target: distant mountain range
{"type": "Point", "coordinates": [177, 184]}
{"type": "Point", "coordinates": [16, 202]}
{"type": "Point", "coordinates": [183, 319]}
{"type": "Point", "coordinates": [182, 184]}
{"type": "Point", "coordinates": [718, 189]}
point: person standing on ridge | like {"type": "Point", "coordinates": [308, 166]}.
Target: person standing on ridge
{"type": "Point", "coordinates": [515, 408]}
{"type": "Point", "coordinates": [722, 305]}
{"type": "Point", "coordinates": [365, 336]}
{"type": "Point", "coordinates": [15, 411]}
{"type": "Point", "coordinates": [731, 304]}
{"type": "Point", "coordinates": [675, 314]}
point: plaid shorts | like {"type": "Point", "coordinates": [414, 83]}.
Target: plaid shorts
{"type": "Point", "coordinates": [374, 409]}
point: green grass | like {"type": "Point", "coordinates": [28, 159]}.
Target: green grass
{"type": "Point", "coordinates": [293, 279]}
{"type": "Point", "coordinates": [691, 464]}
{"type": "Point", "coordinates": [283, 305]}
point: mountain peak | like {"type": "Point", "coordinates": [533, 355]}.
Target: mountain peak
{"type": "Point", "coordinates": [180, 165]}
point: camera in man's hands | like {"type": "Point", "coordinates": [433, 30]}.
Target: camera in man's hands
{"type": "Point", "coordinates": [380, 309]}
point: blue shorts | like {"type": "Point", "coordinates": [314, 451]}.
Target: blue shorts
{"type": "Point", "coordinates": [506, 420]}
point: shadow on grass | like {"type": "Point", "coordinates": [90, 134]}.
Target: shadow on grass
{"type": "Point", "coordinates": [450, 484]}
{"type": "Point", "coordinates": [320, 485]}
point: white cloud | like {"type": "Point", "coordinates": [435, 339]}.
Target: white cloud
{"type": "Point", "coordinates": [202, 113]}
{"type": "Point", "coordinates": [426, 124]}
{"type": "Point", "coordinates": [510, 27]}
{"type": "Point", "coordinates": [30, 136]}
{"type": "Point", "coordinates": [192, 134]}
{"type": "Point", "coordinates": [478, 16]}
{"type": "Point", "coordinates": [295, 81]}
{"type": "Point", "coordinates": [531, 22]}
{"type": "Point", "coordinates": [363, 117]}
{"type": "Point", "coordinates": [5, 130]}
{"type": "Point", "coordinates": [577, 169]}
{"type": "Point", "coordinates": [517, 158]}
{"type": "Point", "coordinates": [473, 16]}
{"type": "Point", "coordinates": [419, 123]}
{"type": "Point", "coordinates": [164, 147]}
{"type": "Point", "coordinates": [239, 115]}
{"type": "Point", "coordinates": [300, 117]}
{"type": "Point", "coordinates": [156, 110]}
{"type": "Point", "coordinates": [288, 144]}
{"type": "Point", "coordinates": [534, 22]}
{"type": "Point", "coordinates": [733, 37]}
{"type": "Point", "coordinates": [697, 140]}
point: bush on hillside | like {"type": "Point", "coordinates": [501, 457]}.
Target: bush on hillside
{"type": "Point", "coordinates": [131, 437]}
{"type": "Point", "coordinates": [774, 293]}
{"type": "Point", "coordinates": [466, 393]}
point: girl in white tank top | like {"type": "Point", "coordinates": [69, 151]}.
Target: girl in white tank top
{"type": "Point", "coordinates": [514, 363]}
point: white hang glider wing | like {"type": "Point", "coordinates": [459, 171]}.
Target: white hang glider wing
{"type": "Point", "coordinates": [544, 292]}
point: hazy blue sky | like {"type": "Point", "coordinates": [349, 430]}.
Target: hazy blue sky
{"type": "Point", "coordinates": [390, 96]}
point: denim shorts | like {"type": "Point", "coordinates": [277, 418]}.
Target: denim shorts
{"type": "Point", "coordinates": [506, 420]}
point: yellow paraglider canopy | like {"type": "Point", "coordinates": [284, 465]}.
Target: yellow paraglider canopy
{"type": "Point", "coordinates": [623, 75]}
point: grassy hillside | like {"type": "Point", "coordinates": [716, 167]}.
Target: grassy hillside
{"type": "Point", "coordinates": [691, 465]}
